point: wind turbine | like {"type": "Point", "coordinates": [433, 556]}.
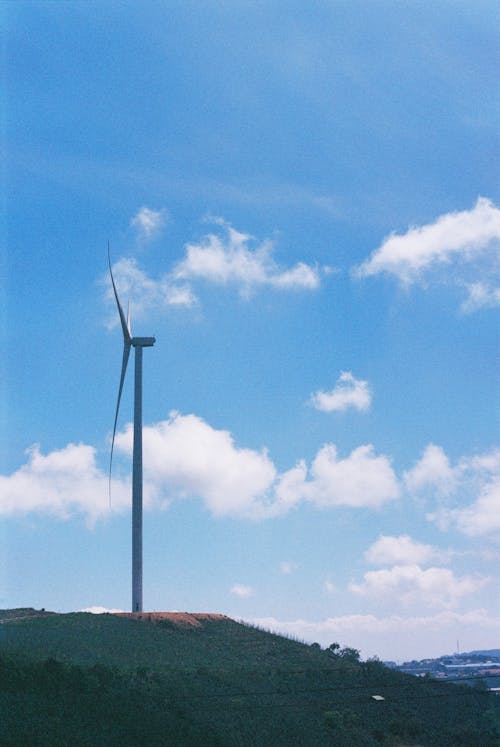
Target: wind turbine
{"type": "Point", "coordinates": [138, 343]}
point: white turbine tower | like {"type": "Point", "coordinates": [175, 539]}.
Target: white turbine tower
{"type": "Point", "coordinates": [138, 343]}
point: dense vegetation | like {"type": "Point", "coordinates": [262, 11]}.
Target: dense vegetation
{"type": "Point", "coordinates": [81, 679]}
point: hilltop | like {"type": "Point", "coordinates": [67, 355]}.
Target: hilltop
{"type": "Point", "coordinates": [204, 679]}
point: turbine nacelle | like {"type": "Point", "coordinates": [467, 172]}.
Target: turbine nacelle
{"type": "Point", "coordinates": [142, 342]}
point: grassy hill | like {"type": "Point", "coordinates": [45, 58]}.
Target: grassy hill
{"type": "Point", "coordinates": [81, 679]}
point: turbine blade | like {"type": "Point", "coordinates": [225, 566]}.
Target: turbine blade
{"type": "Point", "coordinates": [125, 329]}
{"type": "Point", "coordinates": [126, 353]}
{"type": "Point", "coordinates": [129, 321]}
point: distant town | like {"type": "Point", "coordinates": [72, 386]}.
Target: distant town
{"type": "Point", "coordinates": [476, 668]}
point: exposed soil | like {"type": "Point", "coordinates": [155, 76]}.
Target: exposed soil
{"type": "Point", "coordinates": [181, 619]}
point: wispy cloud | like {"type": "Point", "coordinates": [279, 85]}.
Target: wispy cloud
{"type": "Point", "coordinates": [242, 591]}
{"type": "Point", "coordinates": [465, 242]}
{"type": "Point", "coordinates": [480, 295]}
{"type": "Point", "coordinates": [143, 292]}
{"type": "Point", "coordinates": [348, 392]}
{"type": "Point", "coordinates": [149, 223]}
{"type": "Point", "coordinates": [287, 566]}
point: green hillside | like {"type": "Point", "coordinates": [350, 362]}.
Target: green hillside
{"type": "Point", "coordinates": [81, 679]}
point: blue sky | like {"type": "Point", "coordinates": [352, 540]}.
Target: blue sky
{"type": "Point", "coordinates": [302, 207]}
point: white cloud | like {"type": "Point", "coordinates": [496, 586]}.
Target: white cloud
{"type": "Point", "coordinates": [144, 293]}
{"type": "Point", "coordinates": [100, 610]}
{"type": "Point", "coordinates": [64, 483]}
{"type": "Point", "coordinates": [481, 517]}
{"type": "Point", "coordinates": [432, 470]}
{"type": "Point", "coordinates": [348, 392]}
{"type": "Point", "coordinates": [360, 480]}
{"type": "Point", "coordinates": [184, 457]}
{"type": "Point", "coordinates": [465, 234]}
{"type": "Point", "coordinates": [287, 566]}
{"type": "Point", "coordinates": [401, 550]}
{"type": "Point", "coordinates": [290, 488]}
{"type": "Point", "coordinates": [148, 223]}
{"type": "Point", "coordinates": [480, 295]}
{"type": "Point", "coordinates": [228, 258]}
{"type": "Point", "coordinates": [395, 636]}
{"type": "Point", "coordinates": [242, 591]}
{"type": "Point", "coordinates": [410, 584]}
{"type": "Point", "coordinates": [489, 462]}
{"type": "Point", "coordinates": [468, 240]}
{"type": "Point", "coordinates": [223, 259]}
{"type": "Point", "coordinates": [470, 489]}
{"type": "Point", "coordinates": [329, 587]}
{"type": "Point", "coordinates": [484, 514]}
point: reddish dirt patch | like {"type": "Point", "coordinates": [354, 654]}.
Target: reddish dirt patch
{"type": "Point", "coordinates": [182, 619]}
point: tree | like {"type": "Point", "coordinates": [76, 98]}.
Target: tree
{"type": "Point", "coordinates": [349, 654]}
{"type": "Point", "coordinates": [333, 649]}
